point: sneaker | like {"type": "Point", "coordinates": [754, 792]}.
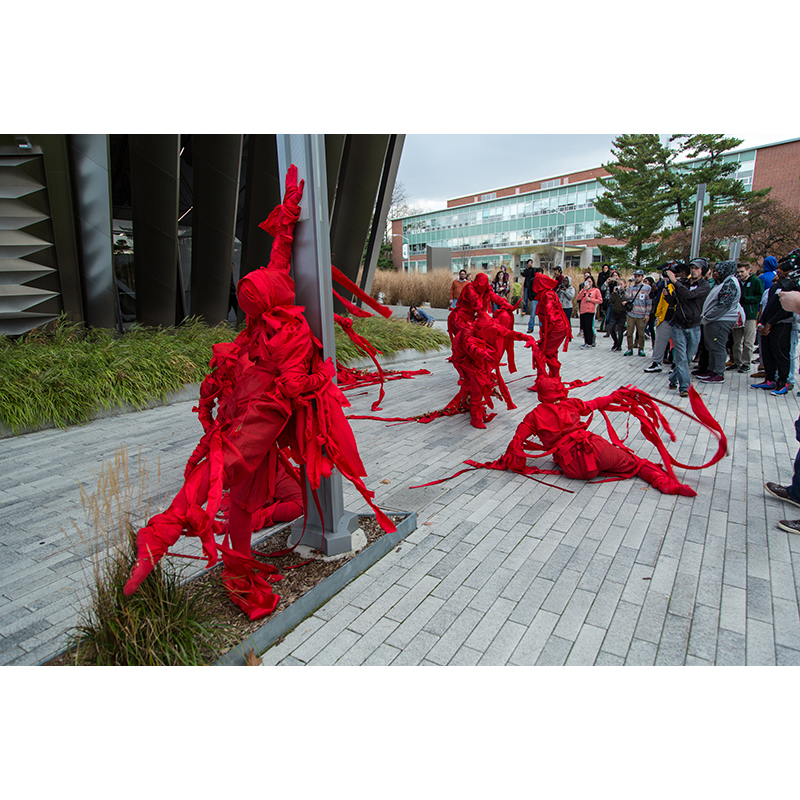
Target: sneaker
{"type": "Point", "coordinates": [744, 370]}
{"type": "Point", "coordinates": [781, 492]}
{"type": "Point", "coordinates": [628, 353]}
{"type": "Point", "coordinates": [684, 393]}
{"type": "Point", "coordinates": [790, 525]}
{"type": "Point", "coordinates": [643, 354]}
{"type": "Point", "coordinates": [654, 367]}
{"type": "Point", "coordinates": [766, 385]}
{"type": "Point", "coordinates": [673, 386]}
{"type": "Point", "coordinates": [584, 346]}
{"type": "Point", "coordinates": [730, 367]}
{"type": "Point", "coordinates": [702, 375]}
{"type": "Point", "coordinates": [782, 391]}
{"type": "Point", "coordinates": [712, 378]}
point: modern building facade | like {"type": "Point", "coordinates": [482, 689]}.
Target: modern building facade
{"type": "Point", "coordinates": [122, 228]}
{"type": "Point", "coordinates": [515, 223]}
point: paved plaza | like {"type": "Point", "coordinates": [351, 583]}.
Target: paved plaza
{"type": "Point", "coordinates": [501, 569]}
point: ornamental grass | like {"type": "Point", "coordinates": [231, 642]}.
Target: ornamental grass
{"type": "Point", "coordinates": [66, 373]}
{"type": "Point", "coordinates": [163, 623]}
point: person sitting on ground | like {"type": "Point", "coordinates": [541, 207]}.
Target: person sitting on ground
{"type": "Point", "coordinates": [419, 317]}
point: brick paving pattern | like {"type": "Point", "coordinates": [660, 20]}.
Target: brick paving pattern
{"type": "Point", "coordinates": [502, 569]}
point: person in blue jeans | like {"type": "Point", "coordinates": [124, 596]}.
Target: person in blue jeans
{"type": "Point", "coordinates": [789, 494]}
{"type": "Point", "coordinates": [690, 295]}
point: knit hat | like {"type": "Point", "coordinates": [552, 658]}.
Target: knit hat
{"type": "Point", "coordinates": [725, 268]}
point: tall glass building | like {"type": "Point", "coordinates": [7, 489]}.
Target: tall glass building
{"type": "Point", "coordinates": [511, 225]}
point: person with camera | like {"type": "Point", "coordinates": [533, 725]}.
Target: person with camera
{"type": "Point", "coordinates": [617, 316]}
{"type": "Point", "coordinates": [690, 295]}
{"type": "Point", "coordinates": [775, 331]}
{"type": "Point", "coordinates": [565, 293]}
{"type": "Point", "coordinates": [637, 307]}
{"type": "Point", "coordinates": [588, 299]}
{"type": "Point", "coordinates": [665, 310]}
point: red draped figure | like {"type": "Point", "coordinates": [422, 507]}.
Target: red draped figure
{"type": "Point", "coordinates": [275, 400]}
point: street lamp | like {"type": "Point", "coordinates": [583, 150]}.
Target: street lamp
{"type": "Point", "coordinates": [563, 239]}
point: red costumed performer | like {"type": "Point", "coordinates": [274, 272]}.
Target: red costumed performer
{"type": "Point", "coordinates": [274, 395]}
{"type": "Point", "coordinates": [475, 298]}
{"type": "Point", "coordinates": [562, 432]}
{"type": "Point", "coordinates": [555, 329]}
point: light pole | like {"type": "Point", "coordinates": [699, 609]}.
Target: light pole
{"type": "Point", "coordinates": [563, 239]}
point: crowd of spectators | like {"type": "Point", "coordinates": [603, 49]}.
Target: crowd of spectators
{"type": "Point", "coordinates": [701, 320]}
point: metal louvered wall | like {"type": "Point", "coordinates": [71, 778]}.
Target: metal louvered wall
{"type": "Point", "coordinates": [26, 244]}
{"type": "Point", "coordinates": [63, 198]}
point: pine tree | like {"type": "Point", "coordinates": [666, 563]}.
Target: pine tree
{"type": "Point", "coordinates": [635, 203]}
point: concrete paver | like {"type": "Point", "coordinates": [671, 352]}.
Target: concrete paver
{"type": "Point", "coordinates": [502, 570]}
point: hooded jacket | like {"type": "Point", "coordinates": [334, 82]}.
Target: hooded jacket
{"type": "Point", "coordinates": [722, 303]}
{"type": "Point", "coordinates": [768, 275]}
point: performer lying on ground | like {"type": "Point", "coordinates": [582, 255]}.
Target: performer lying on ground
{"type": "Point", "coordinates": [559, 427]}
{"type": "Point", "coordinates": [273, 394]}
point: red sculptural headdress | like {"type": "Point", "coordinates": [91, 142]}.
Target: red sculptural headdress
{"type": "Point", "coordinates": [541, 283]}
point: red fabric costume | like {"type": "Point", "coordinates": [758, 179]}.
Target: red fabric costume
{"type": "Point", "coordinates": [555, 329]}
{"type": "Point", "coordinates": [477, 349]}
{"type": "Point", "coordinates": [475, 298]}
{"type": "Point", "coordinates": [273, 394]}
{"type": "Point", "coordinates": [557, 422]}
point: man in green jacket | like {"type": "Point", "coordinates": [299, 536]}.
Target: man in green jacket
{"type": "Point", "coordinates": [744, 338]}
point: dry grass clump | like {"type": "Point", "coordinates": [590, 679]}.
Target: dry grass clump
{"type": "Point", "coordinates": [163, 623]}
{"type": "Point", "coordinates": [414, 288]}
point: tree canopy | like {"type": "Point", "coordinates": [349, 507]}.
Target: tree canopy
{"type": "Point", "coordinates": [651, 195]}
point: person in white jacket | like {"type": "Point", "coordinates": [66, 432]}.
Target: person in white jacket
{"type": "Point", "coordinates": [720, 312]}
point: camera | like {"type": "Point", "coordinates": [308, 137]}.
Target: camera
{"type": "Point", "coordinates": [791, 283]}
{"type": "Point", "coordinates": [679, 268]}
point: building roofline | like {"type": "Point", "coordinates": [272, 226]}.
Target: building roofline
{"type": "Point", "coordinates": [567, 174]}
{"type": "Point", "coordinates": [522, 183]}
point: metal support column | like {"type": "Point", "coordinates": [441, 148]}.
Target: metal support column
{"type": "Point", "coordinates": [697, 230]}
{"type": "Point", "coordinates": [311, 272]}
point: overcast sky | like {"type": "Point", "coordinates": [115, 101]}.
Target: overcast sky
{"type": "Point", "coordinates": [437, 167]}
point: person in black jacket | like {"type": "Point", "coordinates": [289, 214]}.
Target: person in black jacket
{"type": "Point", "coordinates": [775, 329]}
{"type": "Point", "coordinates": [690, 294]}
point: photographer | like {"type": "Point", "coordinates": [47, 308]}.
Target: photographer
{"type": "Point", "coordinates": [665, 310]}
{"type": "Point", "coordinates": [690, 294]}
{"type": "Point", "coordinates": [638, 304]}
{"type": "Point", "coordinates": [775, 330]}
{"type": "Point", "coordinates": [565, 294]}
